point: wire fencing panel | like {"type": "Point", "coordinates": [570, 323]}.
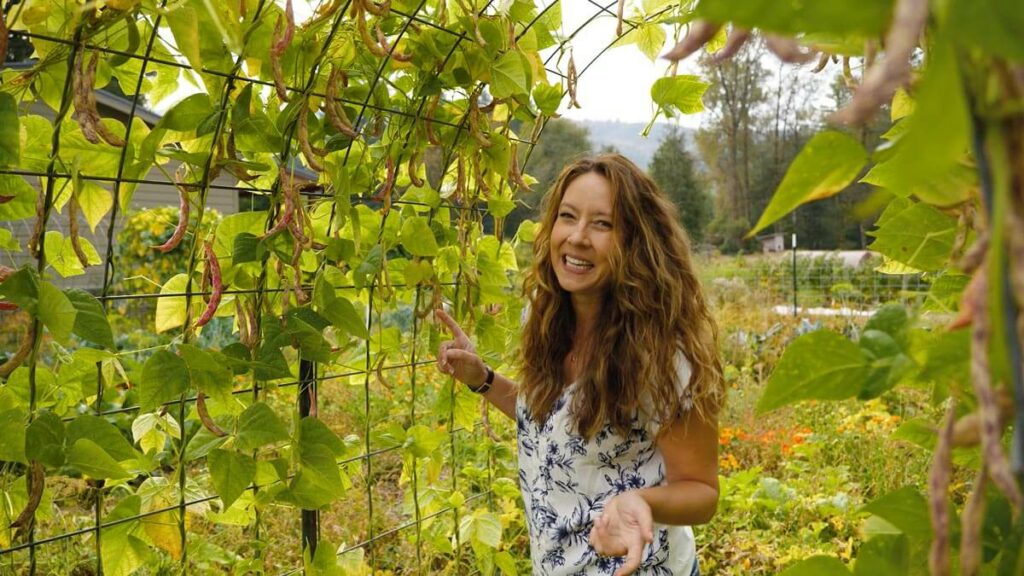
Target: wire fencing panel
{"type": "Point", "coordinates": [216, 321]}
{"type": "Point", "coordinates": [822, 284]}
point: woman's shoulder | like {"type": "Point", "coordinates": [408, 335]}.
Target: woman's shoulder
{"type": "Point", "coordinates": [684, 370]}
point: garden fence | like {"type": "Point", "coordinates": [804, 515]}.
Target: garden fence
{"type": "Point", "coordinates": [410, 482]}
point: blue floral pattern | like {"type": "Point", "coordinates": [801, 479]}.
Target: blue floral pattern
{"type": "Point", "coordinates": [566, 480]}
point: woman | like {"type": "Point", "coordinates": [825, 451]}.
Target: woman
{"type": "Point", "coordinates": [621, 381]}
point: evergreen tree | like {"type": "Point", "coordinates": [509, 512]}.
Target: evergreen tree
{"type": "Point", "coordinates": [672, 168]}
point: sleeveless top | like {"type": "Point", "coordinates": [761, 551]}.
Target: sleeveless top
{"type": "Point", "coordinates": [565, 481]}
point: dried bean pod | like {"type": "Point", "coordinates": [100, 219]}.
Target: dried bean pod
{"type": "Point", "coordinates": [38, 228]}
{"type": "Point", "coordinates": [325, 11]}
{"type": "Point", "coordinates": [204, 417]}
{"type": "Point", "coordinates": [968, 300]}
{"type": "Point", "coordinates": [571, 80]}
{"type": "Point", "coordinates": [975, 255]}
{"type": "Point", "coordinates": [300, 294]}
{"type": "Point", "coordinates": [76, 241]}
{"type": "Point", "coordinates": [37, 485]}
{"type": "Point", "coordinates": [700, 33]}
{"type": "Point", "coordinates": [6, 199]}
{"type": "Point", "coordinates": [20, 355]}
{"type": "Point", "coordinates": [938, 495]}
{"type": "Point", "coordinates": [414, 166]}
{"type": "Point", "coordinates": [988, 404]}
{"type": "Point", "coordinates": [618, 17]}
{"type": "Point", "coordinates": [242, 323]}
{"type": "Point", "coordinates": [428, 121]}
{"type": "Point", "coordinates": [182, 226]}
{"type": "Point", "coordinates": [364, 34]}
{"type": "Point", "coordinates": [788, 49]}
{"type": "Point", "coordinates": [964, 227]}
{"type": "Point", "coordinates": [217, 288]}
{"type": "Point", "coordinates": [736, 39]}
{"type": "Point", "coordinates": [3, 39]}
{"type": "Point", "coordinates": [514, 174]}
{"type": "Point", "coordinates": [460, 180]}
{"type": "Point", "coordinates": [303, 135]}
{"type": "Point", "coordinates": [485, 420]}
{"type": "Point", "coordinates": [848, 78]}
{"type": "Point", "coordinates": [334, 110]}
{"type": "Point", "coordinates": [882, 79]}
{"type": "Point", "coordinates": [104, 132]}
{"type": "Point", "coordinates": [474, 123]}
{"type": "Point", "coordinates": [286, 215]}
{"type": "Point", "coordinates": [297, 224]}
{"type": "Point", "coordinates": [233, 169]}
{"type": "Point", "coordinates": [972, 520]}
{"type": "Point", "coordinates": [279, 43]}
{"type": "Point", "coordinates": [79, 89]}
{"type": "Point", "coordinates": [391, 52]}
{"type": "Point", "coordinates": [382, 9]}
{"type": "Point", "coordinates": [823, 60]}
{"type": "Point", "coordinates": [5, 272]}
{"type": "Point", "coordinates": [384, 194]}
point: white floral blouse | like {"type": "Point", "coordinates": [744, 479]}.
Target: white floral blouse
{"type": "Point", "coordinates": [566, 480]}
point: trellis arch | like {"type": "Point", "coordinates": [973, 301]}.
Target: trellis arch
{"type": "Point", "coordinates": [386, 143]}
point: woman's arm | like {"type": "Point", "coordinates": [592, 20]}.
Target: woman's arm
{"type": "Point", "coordinates": [690, 492]}
{"type": "Point", "coordinates": [458, 359]}
{"type": "Point", "coordinates": [688, 496]}
{"type": "Point", "coordinates": [503, 395]}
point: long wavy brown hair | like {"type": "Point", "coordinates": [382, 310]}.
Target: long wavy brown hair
{"type": "Point", "coordinates": [654, 307]}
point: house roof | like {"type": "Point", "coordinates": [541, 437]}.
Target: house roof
{"type": "Point", "coordinates": [123, 105]}
{"type": "Point", "coordinates": [104, 98]}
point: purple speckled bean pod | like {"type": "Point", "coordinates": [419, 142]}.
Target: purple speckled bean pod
{"type": "Point", "coordinates": [881, 80]}
{"type": "Point", "coordinates": [988, 405]}
{"type": "Point", "coordinates": [972, 519]}
{"type": "Point", "coordinates": [938, 495]}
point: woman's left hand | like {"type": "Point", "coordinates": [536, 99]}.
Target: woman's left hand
{"type": "Point", "coordinates": [625, 526]}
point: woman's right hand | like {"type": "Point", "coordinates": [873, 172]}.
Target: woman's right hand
{"type": "Point", "coordinates": [458, 357]}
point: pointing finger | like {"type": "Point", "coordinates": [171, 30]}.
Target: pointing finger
{"type": "Point", "coordinates": [453, 326]}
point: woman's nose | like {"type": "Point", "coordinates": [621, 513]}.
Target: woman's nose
{"type": "Point", "coordinates": [578, 235]}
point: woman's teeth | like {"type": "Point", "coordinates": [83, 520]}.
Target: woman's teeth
{"type": "Point", "coordinates": [577, 264]}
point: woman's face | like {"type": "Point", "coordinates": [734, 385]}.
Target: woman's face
{"type": "Point", "coordinates": [583, 236]}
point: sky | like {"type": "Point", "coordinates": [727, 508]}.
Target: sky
{"type": "Point", "coordinates": [618, 85]}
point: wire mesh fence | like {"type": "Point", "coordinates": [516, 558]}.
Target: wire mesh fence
{"type": "Point", "coordinates": [829, 283]}
{"type": "Point", "coordinates": [255, 398]}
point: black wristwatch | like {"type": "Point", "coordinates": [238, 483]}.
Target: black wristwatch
{"type": "Point", "coordinates": [483, 388]}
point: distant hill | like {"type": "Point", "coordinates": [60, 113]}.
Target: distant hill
{"type": "Point", "coordinates": [625, 136]}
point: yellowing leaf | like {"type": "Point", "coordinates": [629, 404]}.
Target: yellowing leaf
{"type": "Point", "coordinates": [163, 528]}
{"type": "Point", "coordinates": [170, 310]}
{"type": "Point", "coordinates": [902, 105]}
{"type": "Point", "coordinates": [827, 164]}
{"type": "Point", "coordinates": [95, 202]}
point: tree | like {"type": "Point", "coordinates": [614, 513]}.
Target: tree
{"type": "Point", "coordinates": [727, 140]}
{"type": "Point", "coordinates": [672, 168]}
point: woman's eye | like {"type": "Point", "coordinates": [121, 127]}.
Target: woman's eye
{"type": "Point", "coordinates": [603, 224]}
{"type": "Point", "coordinates": [565, 215]}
